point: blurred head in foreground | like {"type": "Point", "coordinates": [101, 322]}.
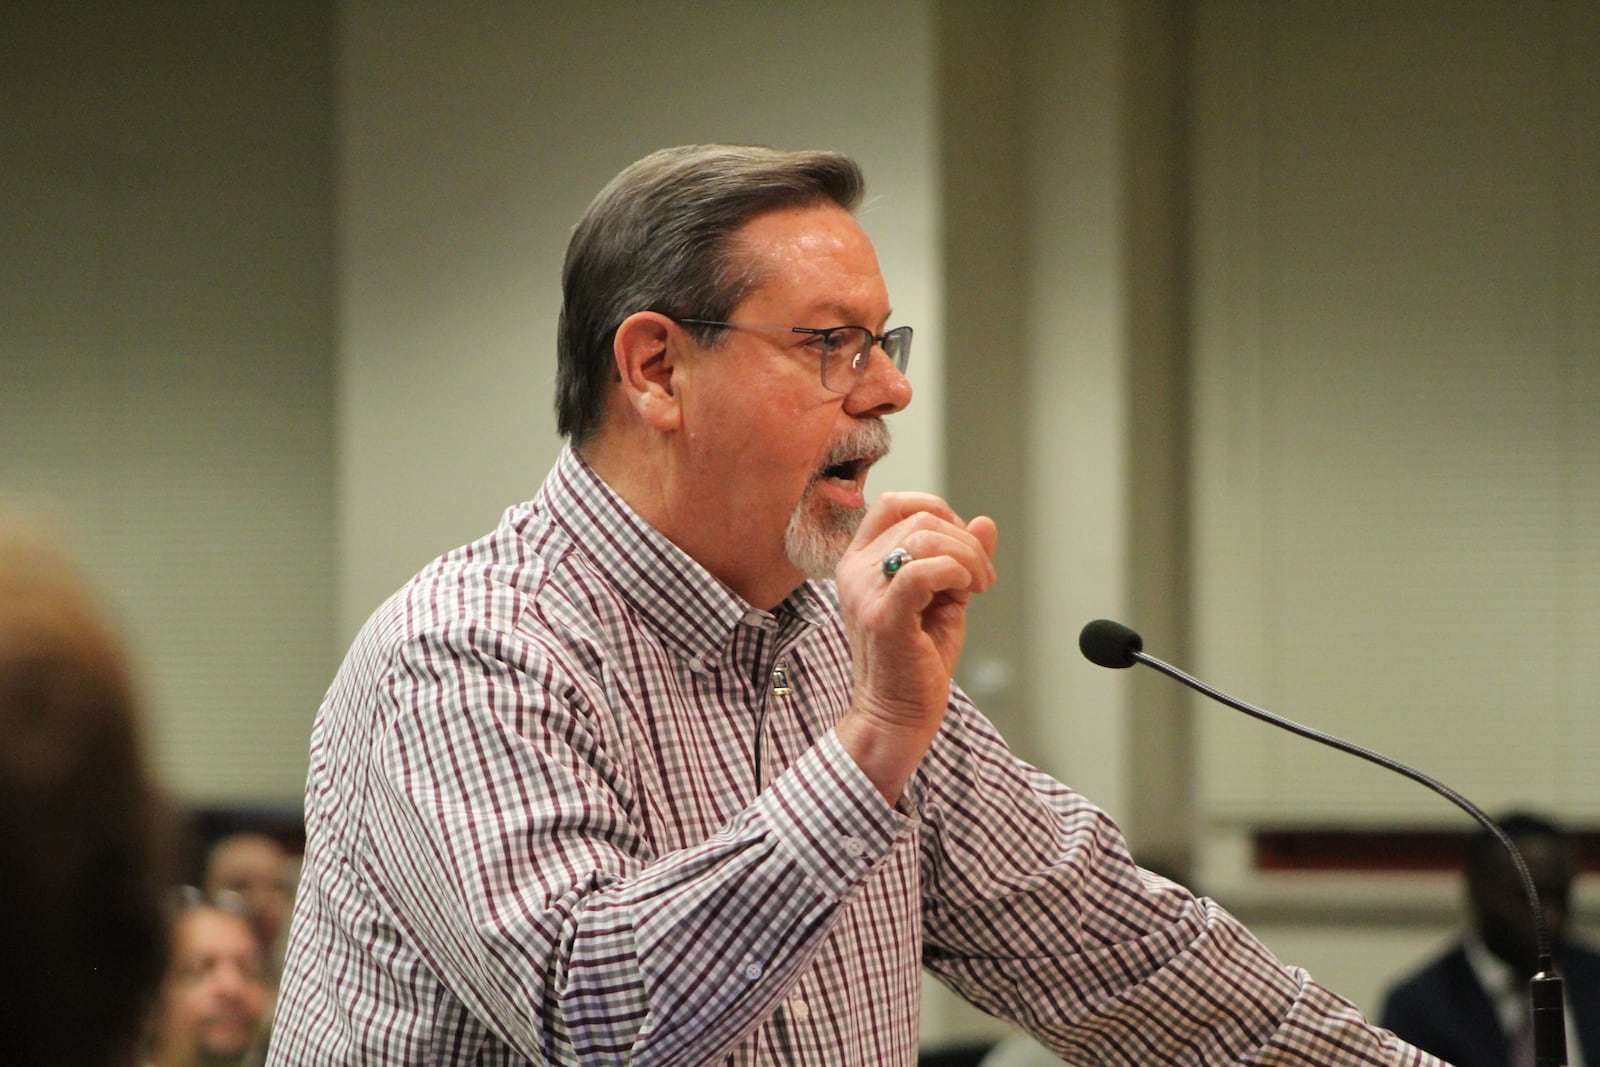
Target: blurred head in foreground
{"type": "Point", "coordinates": [82, 829]}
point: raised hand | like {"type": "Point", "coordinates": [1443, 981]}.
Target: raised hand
{"type": "Point", "coordinates": [906, 626]}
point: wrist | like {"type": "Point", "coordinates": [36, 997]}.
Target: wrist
{"type": "Point", "coordinates": [887, 753]}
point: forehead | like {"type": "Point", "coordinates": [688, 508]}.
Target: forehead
{"type": "Point", "coordinates": [1550, 862]}
{"type": "Point", "coordinates": [205, 930]}
{"type": "Point", "coordinates": [1546, 857]}
{"type": "Point", "coordinates": [247, 854]}
{"type": "Point", "coordinates": [815, 260]}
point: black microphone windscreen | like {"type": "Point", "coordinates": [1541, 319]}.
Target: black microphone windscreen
{"type": "Point", "coordinates": [1109, 644]}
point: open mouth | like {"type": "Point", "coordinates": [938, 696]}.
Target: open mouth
{"type": "Point", "coordinates": [848, 474]}
{"type": "Point", "coordinates": [851, 458]}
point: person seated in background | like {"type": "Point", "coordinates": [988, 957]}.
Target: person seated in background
{"type": "Point", "coordinates": [212, 1005]}
{"type": "Point", "coordinates": [259, 870]}
{"type": "Point", "coordinates": [1470, 1005]}
{"type": "Point", "coordinates": [85, 843]}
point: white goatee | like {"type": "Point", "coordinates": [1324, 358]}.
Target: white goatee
{"type": "Point", "coordinates": [815, 542]}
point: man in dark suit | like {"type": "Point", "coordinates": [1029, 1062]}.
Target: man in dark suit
{"type": "Point", "coordinates": [1469, 1006]}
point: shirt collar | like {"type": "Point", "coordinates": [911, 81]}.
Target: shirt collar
{"type": "Point", "coordinates": [673, 594]}
{"type": "Point", "coordinates": [1498, 980]}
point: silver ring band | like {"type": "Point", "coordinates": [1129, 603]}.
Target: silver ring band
{"type": "Point", "coordinates": [894, 561]}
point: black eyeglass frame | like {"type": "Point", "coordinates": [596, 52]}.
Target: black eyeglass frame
{"type": "Point", "coordinates": [896, 344]}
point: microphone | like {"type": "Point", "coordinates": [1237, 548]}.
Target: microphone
{"type": "Point", "coordinates": [1111, 644]}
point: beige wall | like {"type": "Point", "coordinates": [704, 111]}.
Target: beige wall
{"type": "Point", "coordinates": [167, 287]}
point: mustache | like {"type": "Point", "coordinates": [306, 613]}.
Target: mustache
{"type": "Point", "coordinates": [868, 440]}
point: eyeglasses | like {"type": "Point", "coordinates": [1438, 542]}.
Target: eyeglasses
{"type": "Point", "coordinates": [845, 350]}
{"type": "Point", "coordinates": [187, 898]}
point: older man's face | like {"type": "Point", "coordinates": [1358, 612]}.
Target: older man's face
{"type": "Point", "coordinates": [780, 462]}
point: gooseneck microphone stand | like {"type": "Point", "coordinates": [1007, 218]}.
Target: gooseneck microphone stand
{"type": "Point", "coordinates": [1111, 644]}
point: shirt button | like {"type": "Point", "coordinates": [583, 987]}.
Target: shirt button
{"type": "Point", "coordinates": [752, 971]}
{"type": "Point", "coordinates": [799, 1010]}
{"type": "Point", "coordinates": [854, 846]}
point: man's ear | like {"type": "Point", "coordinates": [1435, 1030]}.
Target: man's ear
{"type": "Point", "coordinates": [646, 351]}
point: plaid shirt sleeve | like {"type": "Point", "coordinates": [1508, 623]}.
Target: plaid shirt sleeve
{"type": "Point", "coordinates": [1034, 911]}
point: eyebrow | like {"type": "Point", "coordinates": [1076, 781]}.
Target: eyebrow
{"type": "Point", "coordinates": [843, 315]}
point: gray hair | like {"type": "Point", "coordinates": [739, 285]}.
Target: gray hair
{"type": "Point", "coordinates": [662, 237]}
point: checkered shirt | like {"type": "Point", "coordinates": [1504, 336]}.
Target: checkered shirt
{"type": "Point", "coordinates": [571, 801]}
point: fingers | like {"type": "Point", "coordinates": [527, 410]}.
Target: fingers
{"type": "Point", "coordinates": [891, 508]}
{"type": "Point", "coordinates": [946, 553]}
{"type": "Point", "coordinates": [987, 533]}
{"type": "Point", "coordinates": [906, 625]}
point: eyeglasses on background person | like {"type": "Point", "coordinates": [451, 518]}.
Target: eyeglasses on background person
{"type": "Point", "coordinates": [188, 897]}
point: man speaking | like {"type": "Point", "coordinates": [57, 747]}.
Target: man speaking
{"type": "Point", "coordinates": [669, 767]}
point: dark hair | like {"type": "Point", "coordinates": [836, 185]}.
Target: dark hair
{"type": "Point", "coordinates": [1484, 849]}
{"type": "Point", "coordinates": [82, 840]}
{"type": "Point", "coordinates": [661, 237]}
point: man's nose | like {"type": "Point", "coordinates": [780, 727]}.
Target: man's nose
{"type": "Point", "coordinates": [232, 982]}
{"type": "Point", "coordinates": [883, 388]}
